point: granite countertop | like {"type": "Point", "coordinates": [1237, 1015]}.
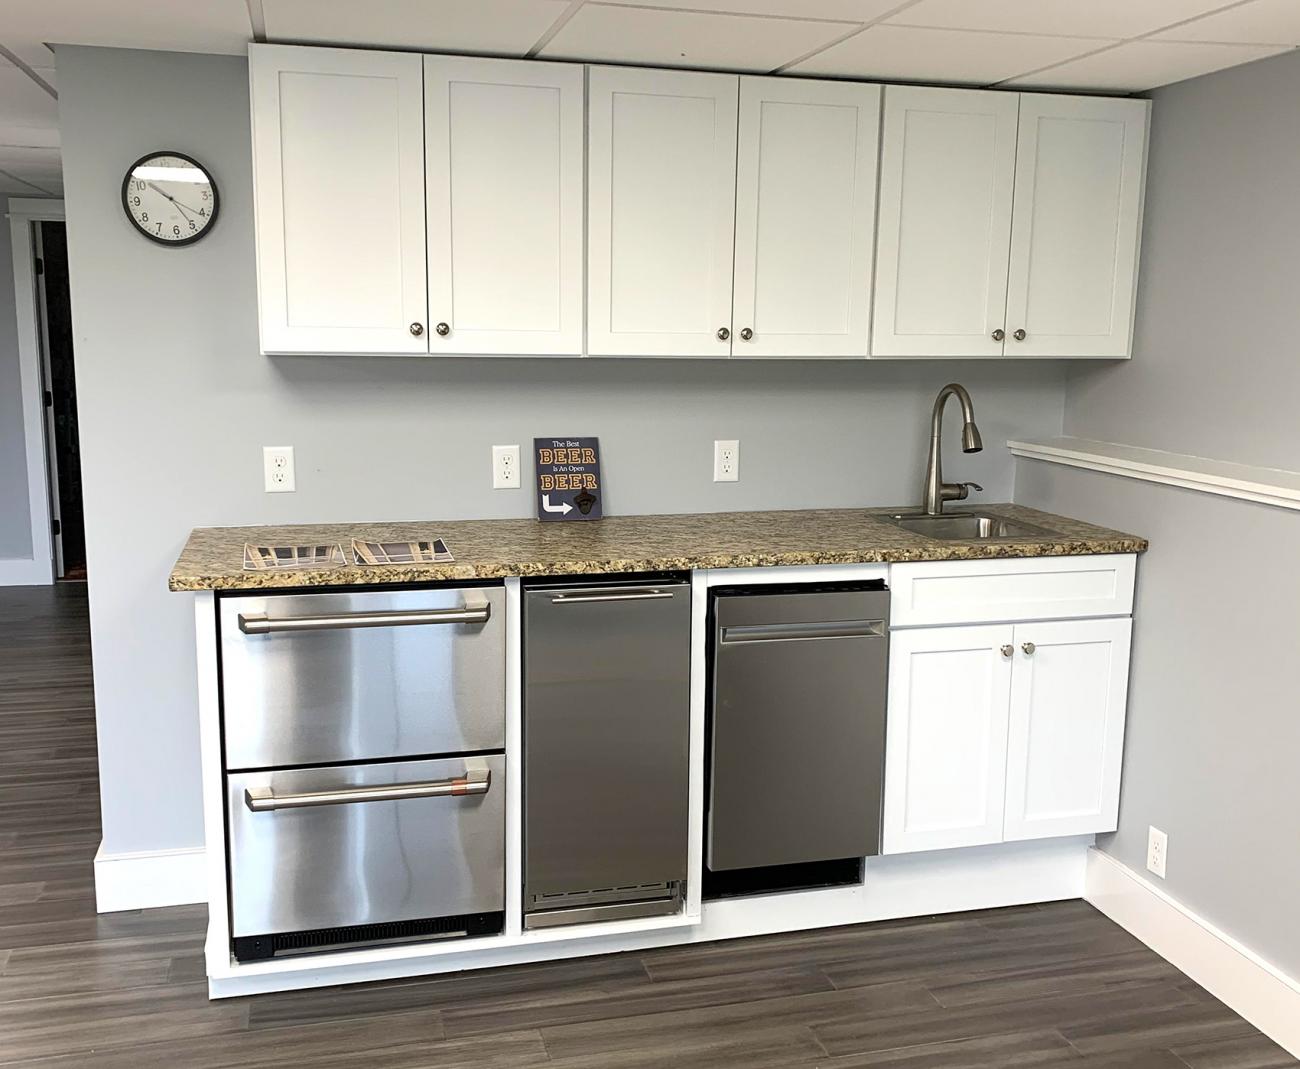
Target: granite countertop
{"type": "Point", "coordinates": [487, 549]}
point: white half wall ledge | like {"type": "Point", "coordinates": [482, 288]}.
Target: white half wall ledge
{"type": "Point", "coordinates": [149, 880]}
{"type": "Point", "coordinates": [1234, 974]}
{"type": "Point", "coordinates": [1269, 486]}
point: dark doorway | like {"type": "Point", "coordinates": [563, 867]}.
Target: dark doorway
{"type": "Point", "coordinates": [63, 444]}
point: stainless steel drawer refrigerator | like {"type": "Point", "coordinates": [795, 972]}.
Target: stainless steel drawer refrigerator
{"type": "Point", "coordinates": [364, 737]}
{"type": "Point", "coordinates": [606, 725]}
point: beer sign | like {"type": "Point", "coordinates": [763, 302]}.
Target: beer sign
{"type": "Point", "coordinates": [568, 478]}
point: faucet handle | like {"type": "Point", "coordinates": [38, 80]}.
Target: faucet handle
{"type": "Point", "coordinates": [964, 489]}
{"type": "Point", "coordinates": [973, 486]}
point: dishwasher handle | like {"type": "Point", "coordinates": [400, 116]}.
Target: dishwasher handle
{"type": "Point", "coordinates": [734, 634]}
{"type": "Point", "coordinates": [611, 595]}
{"type": "Point", "coordinates": [258, 623]}
{"type": "Point", "coordinates": [264, 799]}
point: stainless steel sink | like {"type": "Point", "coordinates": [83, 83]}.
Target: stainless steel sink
{"type": "Point", "coordinates": [965, 525]}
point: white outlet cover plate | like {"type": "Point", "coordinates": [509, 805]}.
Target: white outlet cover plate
{"type": "Point", "coordinates": [1157, 850]}
{"type": "Point", "coordinates": [726, 460]}
{"type": "Point", "coordinates": [505, 467]}
{"type": "Point", "coordinates": [277, 469]}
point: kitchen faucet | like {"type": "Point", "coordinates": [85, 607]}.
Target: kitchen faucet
{"type": "Point", "coordinates": [936, 490]}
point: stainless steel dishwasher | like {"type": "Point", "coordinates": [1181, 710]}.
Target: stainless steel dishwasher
{"type": "Point", "coordinates": [797, 731]}
{"type": "Point", "coordinates": [606, 737]}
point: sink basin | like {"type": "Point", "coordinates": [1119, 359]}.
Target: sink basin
{"type": "Point", "coordinates": [965, 525]}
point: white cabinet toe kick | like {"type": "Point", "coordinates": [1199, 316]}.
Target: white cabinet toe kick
{"type": "Point", "coordinates": [1006, 690]}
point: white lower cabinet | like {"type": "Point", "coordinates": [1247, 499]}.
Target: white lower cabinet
{"type": "Point", "coordinates": [1004, 732]}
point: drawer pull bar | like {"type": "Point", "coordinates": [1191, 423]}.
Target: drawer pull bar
{"type": "Point", "coordinates": [787, 632]}
{"type": "Point", "coordinates": [258, 623]}
{"type": "Point", "coordinates": [263, 799]}
{"type": "Point", "coordinates": [625, 595]}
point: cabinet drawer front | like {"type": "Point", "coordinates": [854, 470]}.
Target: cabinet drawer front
{"type": "Point", "coordinates": [327, 858]}
{"type": "Point", "coordinates": [373, 684]}
{"type": "Point", "coordinates": [1039, 588]}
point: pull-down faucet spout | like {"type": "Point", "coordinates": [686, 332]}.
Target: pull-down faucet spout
{"type": "Point", "coordinates": [936, 490]}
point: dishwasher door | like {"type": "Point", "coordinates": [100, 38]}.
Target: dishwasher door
{"type": "Point", "coordinates": [798, 726]}
{"type": "Point", "coordinates": [606, 742]}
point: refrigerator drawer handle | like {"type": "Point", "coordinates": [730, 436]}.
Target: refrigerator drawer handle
{"type": "Point", "coordinates": [627, 595]}
{"type": "Point", "coordinates": [258, 623]}
{"type": "Point", "coordinates": [263, 799]}
{"type": "Point", "coordinates": [786, 632]}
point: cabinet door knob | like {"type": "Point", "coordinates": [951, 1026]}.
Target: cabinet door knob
{"type": "Point", "coordinates": [443, 330]}
{"type": "Point", "coordinates": [1019, 335]}
{"type": "Point", "coordinates": [999, 334]}
{"type": "Point", "coordinates": [723, 334]}
{"type": "Point", "coordinates": [1029, 648]}
{"type": "Point", "coordinates": [746, 334]}
{"type": "Point", "coordinates": [1008, 650]}
{"type": "Point", "coordinates": [417, 329]}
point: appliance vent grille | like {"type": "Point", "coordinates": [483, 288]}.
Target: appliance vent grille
{"type": "Point", "coordinates": [595, 895]}
{"type": "Point", "coordinates": [254, 947]}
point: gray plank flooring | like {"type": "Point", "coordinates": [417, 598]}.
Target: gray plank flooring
{"type": "Point", "coordinates": [1050, 985]}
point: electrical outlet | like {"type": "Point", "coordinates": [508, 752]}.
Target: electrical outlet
{"type": "Point", "coordinates": [1157, 850]}
{"type": "Point", "coordinates": [277, 469]}
{"type": "Point", "coordinates": [505, 467]}
{"type": "Point", "coordinates": [726, 461]}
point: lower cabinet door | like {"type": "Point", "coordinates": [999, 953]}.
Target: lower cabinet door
{"type": "Point", "coordinates": [946, 744]}
{"type": "Point", "coordinates": [1066, 737]}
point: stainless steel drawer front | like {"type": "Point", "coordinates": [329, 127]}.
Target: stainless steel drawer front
{"type": "Point", "coordinates": [320, 678]}
{"type": "Point", "coordinates": [363, 859]}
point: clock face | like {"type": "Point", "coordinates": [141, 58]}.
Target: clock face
{"type": "Point", "coordinates": [170, 198]}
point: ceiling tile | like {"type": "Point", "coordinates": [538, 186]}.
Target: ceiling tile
{"type": "Point", "coordinates": [1087, 18]}
{"type": "Point", "coordinates": [192, 26]}
{"type": "Point", "coordinates": [663, 38]}
{"type": "Point", "coordinates": [23, 102]}
{"type": "Point", "coordinates": [1266, 22]}
{"type": "Point", "coordinates": [837, 10]}
{"type": "Point", "coordinates": [1139, 65]}
{"type": "Point", "coordinates": [959, 57]}
{"type": "Point", "coordinates": [495, 27]}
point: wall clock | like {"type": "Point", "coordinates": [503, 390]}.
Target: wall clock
{"type": "Point", "coordinates": [170, 198]}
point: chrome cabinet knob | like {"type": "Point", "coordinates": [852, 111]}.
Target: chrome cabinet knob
{"type": "Point", "coordinates": [443, 330]}
{"type": "Point", "coordinates": [1029, 648]}
{"type": "Point", "coordinates": [999, 334]}
{"type": "Point", "coordinates": [417, 329]}
{"type": "Point", "coordinates": [746, 334]}
{"type": "Point", "coordinates": [723, 334]}
{"type": "Point", "coordinates": [1008, 650]}
{"type": "Point", "coordinates": [1019, 335]}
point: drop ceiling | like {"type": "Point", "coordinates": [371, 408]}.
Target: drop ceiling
{"type": "Point", "coordinates": [1111, 46]}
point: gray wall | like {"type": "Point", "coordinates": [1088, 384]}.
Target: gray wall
{"type": "Point", "coordinates": [1213, 731]}
{"type": "Point", "coordinates": [175, 405]}
{"type": "Point", "coordinates": [15, 516]}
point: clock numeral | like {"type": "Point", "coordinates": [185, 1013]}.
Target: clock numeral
{"type": "Point", "coordinates": [193, 225]}
{"type": "Point", "coordinates": [135, 201]}
{"type": "Point", "coordinates": [159, 226]}
{"type": "Point", "coordinates": [144, 218]}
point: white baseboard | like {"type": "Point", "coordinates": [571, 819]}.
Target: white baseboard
{"type": "Point", "coordinates": [147, 881]}
{"type": "Point", "coordinates": [1262, 993]}
{"type": "Point", "coordinates": [23, 571]}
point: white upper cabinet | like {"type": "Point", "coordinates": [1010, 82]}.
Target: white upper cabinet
{"type": "Point", "coordinates": [503, 163]}
{"type": "Point", "coordinates": [1066, 736]}
{"type": "Point", "coordinates": [805, 217]}
{"type": "Point", "coordinates": [661, 165]}
{"type": "Point", "coordinates": [947, 170]}
{"type": "Point", "coordinates": [1080, 165]}
{"type": "Point", "coordinates": [338, 178]}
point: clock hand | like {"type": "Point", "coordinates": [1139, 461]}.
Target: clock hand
{"type": "Point", "coordinates": [172, 199]}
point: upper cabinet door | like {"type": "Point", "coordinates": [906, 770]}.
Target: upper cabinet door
{"type": "Point", "coordinates": [1066, 736]}
{"type": "Point", "coordinates": [338, 182]}
{"type": "Point", "coordinates": [503, 151]}
{"type": "Point", "coordinates": [1080, 174]}
{"type": "Point", "coordinates": [805, 217]}
{"type": "Point", "coordinates": [947, 169]}
{"type": "Point", "coordinates": [660, 212]}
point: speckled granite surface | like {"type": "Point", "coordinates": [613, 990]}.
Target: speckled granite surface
{"type": "Point", "coordinates": [487, 549]}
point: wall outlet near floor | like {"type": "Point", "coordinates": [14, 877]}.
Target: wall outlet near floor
{"type": "Point", "coordinates": [1157, 850]}
{"type": "Point", "coordinates": [505, 467]}
{"type": "Point", "coordinates": [726, 461]}
{"type": "Point", "coordinates": [277, 469]}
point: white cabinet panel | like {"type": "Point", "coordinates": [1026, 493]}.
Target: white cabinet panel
{"type": "Point", "coordinates": [660, 211]}
{"type": "Point", "coordinates": [1066, 736]}
{"type": "Point", "coordinates": [503, 150]}
{"type": "Point", "coordinates": [946, 743]}
{"type": "Point", "coordinates": [338, 180]}
{"type": "Point", "coordinates": [805, 217]}
{"type": "Point", "coordinates": [1076, 226]}
{"type": "Point", "coordinates": [946, 176]}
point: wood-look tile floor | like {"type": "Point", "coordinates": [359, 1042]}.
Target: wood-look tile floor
{"type": "Point", "coordinates": [1052, 985]}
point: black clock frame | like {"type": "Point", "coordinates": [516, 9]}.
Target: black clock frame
{"type": "Point", "coordinates": [179, 242]}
